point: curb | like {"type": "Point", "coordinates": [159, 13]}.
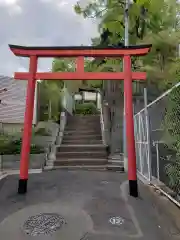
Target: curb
{"type": "Point", "coordinates": [163, 201]}
{"type": "Point", "coordinates": [16, 172]}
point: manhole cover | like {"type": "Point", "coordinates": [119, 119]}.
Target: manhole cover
{"type": "Point", "coordinates": [44, 223]}
{"type": "Point", "coordinates": [116, 221]}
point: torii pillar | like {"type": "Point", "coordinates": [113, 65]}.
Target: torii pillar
{"type": "Point", "coordinates": [80, 52]}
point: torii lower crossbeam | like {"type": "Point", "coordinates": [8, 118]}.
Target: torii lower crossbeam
{"type": "Point", "coordinates": [81, 76]}
{"type": "Point", "coordinates": [79, 52]}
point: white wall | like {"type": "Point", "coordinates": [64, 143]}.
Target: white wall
{"type": "Point", "coordinates": [77, 97]}
{"type": "Point", "coordinates": [89, 96]}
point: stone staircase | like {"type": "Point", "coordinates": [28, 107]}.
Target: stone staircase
{"type": "Point", "coordinates": [116, 163]}
{"type": "Point", "coordinates": [82, 145]}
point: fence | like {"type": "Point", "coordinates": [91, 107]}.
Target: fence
{"type": "Point", "coordinates": [157, 137]}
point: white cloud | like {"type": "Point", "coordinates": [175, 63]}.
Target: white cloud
{"type": "Point", "coordinates": [11, 6]}
{"type": "Point", "coordinates": [84, 3]}
{"type": "Point", "coordinates": [22, 69]}
{"type": "Point", "coordinates": [8, 2]}
{"type": "Point", "coordinates": [16, 9]}
{"type": "Point", "coordinates": [62, 3]}
{"type": "Point", "coordinates": [40, 22]}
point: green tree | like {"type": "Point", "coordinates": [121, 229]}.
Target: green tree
{"type": "Point", "coordinates": [69, 65]}
{"type": "Point", "coordinates": [50, 100]}
{"type": "Point", "coordinates": [152, 21]}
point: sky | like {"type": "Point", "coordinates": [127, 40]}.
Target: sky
{"type": "Point", "coordinates": [40, 22]}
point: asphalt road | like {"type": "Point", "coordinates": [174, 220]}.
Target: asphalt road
{"type": "Point", "coordinates": [85, 205]}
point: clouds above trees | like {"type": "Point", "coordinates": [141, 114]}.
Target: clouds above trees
{"type": "Point", "coordinates": [40, 22]}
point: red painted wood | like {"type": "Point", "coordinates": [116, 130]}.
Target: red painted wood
{"type": "Point", "coordinates": [24, 162]}
{"type": "Point", "coordinates": [80, 64]}
{"type": "Point", "coordinates": [83, 52]}
{"type": "Point", "coordinates": [80, 76]}
{"type": "Point", "coordinates": [129, 119]}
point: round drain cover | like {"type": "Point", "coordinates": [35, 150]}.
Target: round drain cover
{"type": "Point", "coordinates": [44, 223]}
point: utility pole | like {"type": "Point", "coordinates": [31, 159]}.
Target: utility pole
{"type": "Point", "coordinates": [126, 43]}
{"type": "Point", "coordinates": [50, 110]}
{"type": "Point", "coordinates": [126, 23]}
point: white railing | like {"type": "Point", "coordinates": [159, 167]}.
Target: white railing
{"type": "Point", "coordinates": [157, 137]}
{"type": "Point", "coordinates": [142, 140]}
{"type": "Point", "coordinates": [67, 101]}
{"type": "Point", "coordinates": [102, 126]}
{"type": "Point", "coordinates": [103, 129]}
{"type": "Point", "coordinates": [51, 156]}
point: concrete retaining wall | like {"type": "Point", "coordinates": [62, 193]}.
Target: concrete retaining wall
{"type": "Point", "coordinates": [46, 141]}
{"type": "Point", "coordinates": [12, 162]}
{"type": "Point", "coordinates": [43, 141]}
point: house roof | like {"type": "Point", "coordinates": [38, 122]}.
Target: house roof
{"type": "Point", "coordinates": [13, 100]}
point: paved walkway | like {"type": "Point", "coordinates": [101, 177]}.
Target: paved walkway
{"type": "Point", "coordinates": [86, 205]}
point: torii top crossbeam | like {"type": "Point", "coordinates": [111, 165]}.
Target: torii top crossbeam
{"type": "Point", "coordinates": [79, 53]}
{"type": "Point", "coordinates": [76, 51]}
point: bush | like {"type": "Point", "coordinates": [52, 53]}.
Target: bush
{"type": "Point", "coordinates": [86, 109]}
{"type": "Point", "coordinates": [12, 146]}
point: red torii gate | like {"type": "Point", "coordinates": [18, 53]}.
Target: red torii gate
{"type": "Point", "coordinates": [79, 52]}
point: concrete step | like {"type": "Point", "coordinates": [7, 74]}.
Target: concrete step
{"type": "Point", "coordinates": [77, 161]}
{"type": "Point", "coordinates": [84, 117]}
{"type": "Point", "coordinates": [103, 167]}
{"type": "Point", "coordinates": [90, 121]}
{"type": "Point", "coordinates": [115, 165]}
{"type": "Point", "coordinates": [81, 141]}
{"type": "Point", "coordinates": [76, 154]}
{"type": "Point", "coordinates": [116, 162]}
{"type": "Point", "coordinates": [82, 132]}
{"type": "Point", "coordinates": [82, 137]}
{"type": "Point", "coordinates": [116, 168]}
{"type": "Point", "coordinates": [82, 128]}
{"type": "Point", "coordinates": [81, 167]}
{"type": "Point", "coordinates": [83, 123]}
{"type": "Point", "coordinates": [85, 129]}
{"type": "Point", "coordinates": [82, 148]}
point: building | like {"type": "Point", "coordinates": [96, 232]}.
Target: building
{"type": "Point", "coordinates": [85, 96]}
{"type": "Point", "coordinates": [13, 103]}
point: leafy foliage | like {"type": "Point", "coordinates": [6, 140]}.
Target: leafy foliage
{"type": "Point", "coordinates": [171, 122]}
{"type": "Point", "coordinates": [173, 172]}
{"type": "Point", "coordinates": [68, 65]}
{"type": "Point", "coordinates": [50, 100]}
{"type": "Point", "coordinates": [10, 145]}
{"type": "Point", "coordinates": [153, 22]}
{"type": "Point", "coordinates": [150, 21]}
